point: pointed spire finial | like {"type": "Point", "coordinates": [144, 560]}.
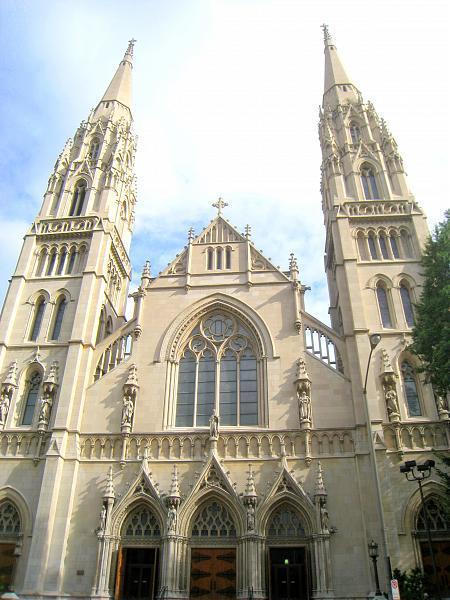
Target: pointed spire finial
{"type": "Point", "coordinates": [146, 271]}
{"type": "Point", "coordinates": [326, 35]}
{"type": "Point", "coordinates": [248, 231]}
{"type": "Point", "coordinates": [191, 234]}
{"type": "Point", "coordinates": [220, 205]}
{"type": "Point", "coordinates": [250, 490]}
{"type": "Point", "coordinates": [320, 486]}
{"type": "Point", "coordinates": [130, 48]}
{"type": "Point", "coordinates": [109, 492]}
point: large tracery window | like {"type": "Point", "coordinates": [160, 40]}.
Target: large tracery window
{"type": "Point", "coordinates": [285, 522]}
{"type": "Point", "coordinates": [214, 521]}
{"type": "Point", "coordinates": [369, 182]}
{"type": "Point", "coordinates": [438, 521]}
{"type": "Point", "coordinates": [218, 371]}
{"type": "Point", "coordinates": [411, 391]}
{"type": "Point", "coordinates": [9, 520]}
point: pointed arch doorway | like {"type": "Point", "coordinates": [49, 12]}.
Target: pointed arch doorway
{"type": "Point", "coordinates": [138, 559]}
{"type": "Point", "coordinates": [213, 553]}
{"type": "Point", "coordinates": [10, 540]}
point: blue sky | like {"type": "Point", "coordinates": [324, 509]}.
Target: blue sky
{"type": "Point", "coordinates": [226, 103]}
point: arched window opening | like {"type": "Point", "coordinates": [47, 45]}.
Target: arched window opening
{"type": "Point", "coordinates": [362, 246]}
{"type": "Point", "coordinates": [37, 321]}
{"type": "Point", "coordinates": [60, 310]}
{"type": "Point", "coordinates": [32, 394]}
{"type": "Point", "coordinates": [285, 523]}
{"type": "Point", "coordinates": [141, 523]}
{"type": "Point", "coordinates": [109, 327]}
{"type": "Point", "coordinates": [214, 521]}
{"type": "Point", "coordinates": [372, 246]}
{"type": "Point", "coordinates": [10, 525]}
{"type": "Point", "coordinates": [210, 259]}
{"type": "Point", "coordinates": [79, 194]}
{"type": "Point", "coordinates": [369, 182]}
{"type": "Point", "coordinates": [61, 262]}
{"type": "Point", "coordinates": [407, 304]}
{"type": "Point", "coordinates": [81, 259]}
{"type": "Point", "coordinates": [94, 149]}
{"type": "Point", "coordinates": [411, 391]}
{"type": "Point", "coordinates": [438, 520]}
{"type": "Point", "coordinates": [355, 133]}
{"type": "Point", "coordinates": [51, 262]}
{"type": "Point", "coordinates": [220, 350]}
{"type": "Point", "coordinates": [227, 257]}
{"type": "Point", "coordinates": [383, 246]}
{"type": "Point", "coordinates": [72, 259]}
{"type": "Point", "coordinates": [219, 259]}
{"type": "Point", "coordinates": [394, 245]}
{"type": "Point", "coordinates": [383, 304]}
{"type": "Point", "coordinates": [41, 262]}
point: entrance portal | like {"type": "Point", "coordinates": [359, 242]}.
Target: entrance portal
{"type": "Point", "coordinates": [213, 573]}
{"type": "Point", "coordinates": [138, 574]}
{"type": "Point", "coordinates": [7, 562]}
{"type": "Point", "coordinates": [288, 577]}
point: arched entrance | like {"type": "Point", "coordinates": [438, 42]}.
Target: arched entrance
{"type": "Point", "coordinates": [213, 553]}
{"type": "Point", "coordinates": [440, 535]}
{"type": "Point", "coordinates": [10, 539]}
{"type": "Point", "coordinates": [137, 568]}
{"type": "Point", "coordinates": [288, 555]}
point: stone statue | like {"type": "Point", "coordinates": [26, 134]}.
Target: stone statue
{"type": "Point", "coordinates": [214, 426]}
{"type": "Point", "coordinates": [127, 411]}
{"type": "Point", "coordinates": [304, 406]}
{"type": "Point", "coordinates": [324, 518]}
{"type": "Point", "coordinates": [102, 519]}
{"type": "Point", "coordinates": [391, 403]}
{"type": "Point", "coordinates": [250, 518]}
{"type": "Point", "coordinates": [172, 519]}
{"type": "Point", "coordinates": [4, 408]}
{"type": "Point", "coordinates": [46, 407]}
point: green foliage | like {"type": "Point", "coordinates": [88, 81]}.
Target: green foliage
{"type": "Point", "coordinates": [445, 478]}
{"type": "Point", "coordinates": [431, 334]}
{"type": "Point", "coordinates": [411, 584]}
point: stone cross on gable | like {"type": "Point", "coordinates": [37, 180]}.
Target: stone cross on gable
{"type": "Point", "coordinates": [248, 231]}
{"type": "Point", "coordinates": [326, 33]}
{"type": "Point", "coordinates": [220, 204]}
{"type": "Point", "coordinates": [131, 44]}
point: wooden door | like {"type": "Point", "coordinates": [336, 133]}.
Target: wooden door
{"type": "Point", "coordinates": [213, 573]}
{"type": "Point", "coordinates": [441, 552]}
{"type": "Point", "coordinates": [136, 574]}
{"type": "Point", "coordinates": [288, 574]}
{"type": "Point", "coordinates": [7, 562]}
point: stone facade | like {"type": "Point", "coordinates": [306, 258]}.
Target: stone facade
{"type": "Point", "coordinates": [222, 423]}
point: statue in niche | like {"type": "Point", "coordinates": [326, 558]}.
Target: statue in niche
{"type": "Point", "coordinates": [304, 405]}
{"type": "Point", "coordinates": [102, 519]}
{"type": "Point", "coordinates": [214, 426]}
{"type": "Point", "coordinates": [324, 518]}
{"type": "Point", "coordinates": [4, 408]}
{"type": "Point", "coordinates": [127, 410]}
{"type": "Point", "coordinates": [391, 403]}
{"type": "Point", "coordinates": [172, 519]}
{"type": "Point", "coordinates": [250, 518]}
{"type": "Point", "coordinates": [46, 407]}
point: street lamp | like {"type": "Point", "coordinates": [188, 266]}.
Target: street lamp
{"type": "Point", "coordinates": [373, 553]}
{"type": "Point", "coordinates": [374, 340]}
{"type": "Point", "coordinates": [415, 472]}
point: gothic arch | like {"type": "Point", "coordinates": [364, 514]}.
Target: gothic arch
{"type": "Point", "coordinates": [121, 512]}
{"type": "Point", "coordinates": [379, 277]}
{"type": "Point", "coordinates": [183, 323]}
{"type": "Point", "coordinates": [18, 500]}
{"type": "Point", "coordinates": [195, 503]}
{"type": "Point", "coordinates": [306, 513]}
{"type": "Point", "coordinates": [413, 504]}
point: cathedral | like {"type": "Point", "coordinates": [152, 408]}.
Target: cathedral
{"type": "Point", "coordinates": [222, 442]}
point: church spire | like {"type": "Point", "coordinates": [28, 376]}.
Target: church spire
{"type": "Point", "coordinates": [337, 84]}
{"type": "Point", "coordinates": [120, 88]}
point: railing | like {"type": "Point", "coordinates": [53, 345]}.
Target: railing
{"type": "Point", "coordinates": [195, 446]}
{"type": "Point", "coordinates": [67, 225]}
{"type": "Point", "coordinates": [373, 207]}
{"type": "Point", "coordinates": [402, 437]}
{"type": "Point", "coordinates": [114, 354]}
{"type": "Point", "coordinates": [320, 344]}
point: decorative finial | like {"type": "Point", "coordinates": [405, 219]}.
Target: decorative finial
{"type": "Point", "coordinates": [53, 373]}
{"type": "Point", "coordinates": [326, 34]}
{"type": "Point", "coordinates": [250, 490]}
{"type": "Point", "coordinates": [320, 486]}
{"type": "Point", "coordinates": [191, 234]}
{"type": "Point", "coordinates": [174, 486]}
{"type": "Point", "coordinates": [220, 204]}
{"type": "Point", "coordinates": [248, 231]}
{"type": "Point", "coordinates": [293, 265]}
{"type": "Point", "coordinates": [146, 271]}
{"type": "Point", "coordinates": [11, 378]}
{"type": "Point", "coordinates": [131, 44]}
{"type": "Point", "coordinates": [109, 492]}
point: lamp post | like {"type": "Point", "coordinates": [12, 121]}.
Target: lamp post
{"type": "Point", "coordinates": [373, 553]}
{"type": "Point", "coordinates": [374, 340]}
{"type": "Point", "coordinates": [415, 472]}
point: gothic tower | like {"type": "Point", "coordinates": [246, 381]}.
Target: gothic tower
{"type": "Point", "coordinates": [68, 292]}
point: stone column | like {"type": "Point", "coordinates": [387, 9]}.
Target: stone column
{"type": "Point", "coordinates": [321, 541]}
{"type": "Point", "coordinates": [106, 543]}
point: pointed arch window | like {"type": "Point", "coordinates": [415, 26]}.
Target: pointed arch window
{"type": "Point", "coordinates": [369, 182]}
{"type": "Point", "coordinates": [372, 246]}
{"type": "Point", "coordinates": [51, 262]}
{"type": "Point", "coordinates": [94, 149]}
{"type": "Point", "coordinates": [60, 310]}
{"type": "Point", "coordinates": [210, 259]}
{"type": "Point", "coordinates": [355, 132]}
{"type": "Point", "coordinates": [72, 259]}
{"type": "Point", "coordinates": [394, 245]}
{"type": "Point", "coordinates": [10, 524]}
{"type": "Point", "coordinates": [438, 520]}
{"type": "Point", "coordinates": [219, 259]}
{"type": "Point", "coordinates": [285, 522]}
{"type": "Point", "coordinates": [406, 243]}
{"type": "Point", "coordinates": [405, 295]}
{"type": "Point", "coordinates": [227, 257]}
{"type": "Point", "coordinates": [101, 326]}
{"type": "Point", "coordinates": [383, 246]}
{"type": "Point", "coordinates": [61, 262]}
{"type": "Point", "coordinates": [31, 397]}
{"type": "Point", "coordinates": [37, 320]}
{"type": "Point", "coordinates": [76, 206]}
{"type": "Point", "coordinates": [383, 305]}
{"type": "Point", "coordinates": [41, 262]}
{"type": "Point", "coordinates": [218, 371]}
{"type": "Point", "coordinates": [411, 389]}
{"type": "Point", "coordinates": [213, 521]}
{"type": "Point", "coordinates": [141, 523]}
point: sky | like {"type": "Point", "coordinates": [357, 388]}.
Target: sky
{"type": "Point", "coordinates": [226, 97]}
